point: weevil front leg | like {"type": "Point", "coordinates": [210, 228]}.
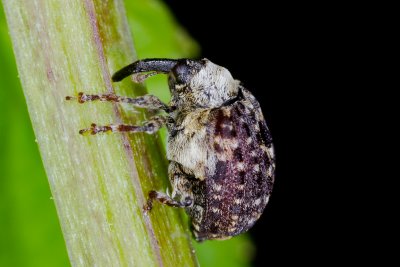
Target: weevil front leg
{"type": "Point", "coordinates": [149, 127]}
{"type": "Point", "coordinates": [146, 101]}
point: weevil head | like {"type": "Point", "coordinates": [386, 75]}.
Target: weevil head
{"type": "Point", "coordinates": [193, 84]}
{"type": "Point", "coordinates": [198, 84]}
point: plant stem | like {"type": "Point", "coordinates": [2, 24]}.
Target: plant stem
{"type": "Point", "coordinates": [99, 183]}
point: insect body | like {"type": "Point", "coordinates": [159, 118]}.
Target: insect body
{"type": "Point", "coordinates": [219, 147]}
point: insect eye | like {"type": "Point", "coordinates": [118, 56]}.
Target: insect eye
{"type": "Point", "coordinates": [182, 73]}
{"type": "Point", "coordinates": [185, 69]}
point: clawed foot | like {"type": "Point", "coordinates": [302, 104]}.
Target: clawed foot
{"type": "Point", "coordinates": [165, 199]}
{"type": "Point", "coordinates": [149, 205]}
{"type": "Point", "coordinates": [95, 129]}
{"type": "Point", "coordinates": [82, 97]}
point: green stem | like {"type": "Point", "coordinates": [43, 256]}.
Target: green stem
{"type": "Point", "coordinates": [99, 183]}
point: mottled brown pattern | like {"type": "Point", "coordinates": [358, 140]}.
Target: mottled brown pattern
{"type": "Point", "coordinates": [235, 210]}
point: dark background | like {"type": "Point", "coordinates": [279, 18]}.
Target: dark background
{"type": "Point", "coordinates": [316, 69]}
{"type": "Point", "coordinates": [297, 60]}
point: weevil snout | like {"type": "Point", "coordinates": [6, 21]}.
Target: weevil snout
{"type": "Point", "coordinates": [145, 65]}
{"type": "Point", "coordinates": [179, 70]}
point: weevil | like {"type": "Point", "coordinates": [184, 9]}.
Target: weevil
{"type": "Point", "coordinates": [220, 151]}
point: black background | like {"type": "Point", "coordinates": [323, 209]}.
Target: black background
{"type": "Point", "coordinates": [298, 60]}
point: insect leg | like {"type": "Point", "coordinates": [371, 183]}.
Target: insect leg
{"type": "Point", "coordinates": [165, 199]}
{"type": "Point", "coordinates": [146, 101]}
{"type": "Point", "coordinates": [149, 127]}
{"type": "Point", "coordinates": [181, 188]}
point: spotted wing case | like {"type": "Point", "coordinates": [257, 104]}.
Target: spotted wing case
{"type": "Point", "coordinates": [237, 188]}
